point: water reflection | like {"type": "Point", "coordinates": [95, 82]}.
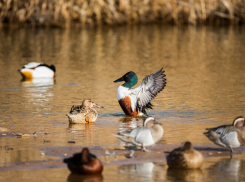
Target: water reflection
{"type": "Point", "coordinates": [148, 170]}
{"type": "Point", "coordinates": [84, 178]}
{"type": "Point", "coordinates": [81, 131]}
{"type": "Point", "coordinates": [129, 123]}
{"type": "Point", "coordinates": [184, 174]}
{"type": "Point", "coordinates": [38, 82]}
{"type": "Point", "coordinates": [38, 93]}
{"type": "Point", "coordinates": [229, 168]}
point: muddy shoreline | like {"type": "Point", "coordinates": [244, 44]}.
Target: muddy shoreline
{"type": "Point", "coordinates": [114, 155]}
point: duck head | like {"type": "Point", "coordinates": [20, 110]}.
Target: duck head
{"type": "Point", "coordinates": [150, 122]}
{"type": "Point", "coordinates": [84, 163]}
{"type": "Point", "coordinates": [86, 157]}
{"type": "Point", "coordinates": [52, 67]}
{"type": "Point", "coordinates": [90, 103]}
{"type": "Point", "coordinates": [187, 146]}
{"type": "Point", "coordinates": [130, 79]}
{"type": "Point", "coordinates": [238, 122]}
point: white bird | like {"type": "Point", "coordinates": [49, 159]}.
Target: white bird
{"type": "Point", "coordinates": [37, 70]}
{"type": "Point", "coordinates": [149, 134]}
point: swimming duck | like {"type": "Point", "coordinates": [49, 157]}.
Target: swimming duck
{"type": "Point", "coordinates": [231, 136]}
{"type": "Point", "coordinates": [37, 70]}
{"type": "Point", "coordinates": [84, 113]}
{"type": "Point", "coordinates": [149, 134]}
{"type": "Point", "coordinates": [135, 101]}
{"type": "Point", "coordinates": [84, 163]}
{"type": "Point", "coordinates": [185, 157]}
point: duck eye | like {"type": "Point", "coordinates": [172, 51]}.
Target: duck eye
{"type": "Point", "coordinates": [126, 75]}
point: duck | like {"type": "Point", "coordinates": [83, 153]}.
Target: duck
{"type": "Point", "coordinates": [228, 136]}
{"type": "Point", "coordinates": [149, 134]}
{"type": "Point", "coordinates": [135, 101]}
{"type": "Point", "coordinates": [37, 70]}
{"type": "Point", "coordinates": [185, 157]}
{"type": "Point", "coordinates": [84, 113]}
{"type": "Point", "coordinates": [84, 163]}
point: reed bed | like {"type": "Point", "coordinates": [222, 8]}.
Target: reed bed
{"type": "Point", "coordinates": [97, 12]}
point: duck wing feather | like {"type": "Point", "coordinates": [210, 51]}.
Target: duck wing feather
{"type": "Point", "coordinates": [151, 85]}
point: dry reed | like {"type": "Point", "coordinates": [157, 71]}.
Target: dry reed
{"type": "Point", "coordinates": [95, 12]}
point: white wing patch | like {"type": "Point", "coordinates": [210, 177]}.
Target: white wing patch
{"type": "Point", "coordinates": [123, 92]}
{"type": "Point", "coordinates": [32, 65]}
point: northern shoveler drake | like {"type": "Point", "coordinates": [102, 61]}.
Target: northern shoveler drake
{"type": "Point", "coordinates": [185, 157]}
{"type": "Point", "coordinates": [149, 134]}
{"type": "Point", "coordinates": [135, 101]}
{"type": "Point", "coordinates": [84, 163]}
{"type": "Point", "coordinates": [37, 70]}
{"type": "Point", "coordinates": [230, 136]}
{"type": "Point", "coordinates": [84, 113]}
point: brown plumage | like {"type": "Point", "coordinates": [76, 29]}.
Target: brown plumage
{"type": "Point", "coordinates": [126, 107]}
{"type": "Point", "coordinates": [84, 163]}
{"type": "Point", "coordinates": [185, 157]}
{"type": "Point", "coordinates": [84, 113]}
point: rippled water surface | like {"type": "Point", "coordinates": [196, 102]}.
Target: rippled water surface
{"type": "Point", "coordinates": [205, 88]}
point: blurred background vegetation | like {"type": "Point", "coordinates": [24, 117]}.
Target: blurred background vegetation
{"type": "Point", "coordinates": [66, 13]}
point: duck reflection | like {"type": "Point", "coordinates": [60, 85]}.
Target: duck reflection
{"type": "Point", "coordinates": [149, 170]}
{"type": "Point", "coordinates": [38, 82]}
{"type": "Point", "coordinates": [229, 168]}
{"type": "Point", "coordinates": [184, 174]}
{"type": "Point", "coordinates": [130, 122]}
{"type": "Point", "coordinates": [84, 178]}
{"type": "Point", "coordinates": [37, 91]}
{"type": "Point", "coordinates": [79, 131]}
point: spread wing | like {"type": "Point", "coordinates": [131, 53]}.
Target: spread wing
{"type": "Point", "coordinates": [151, 85]}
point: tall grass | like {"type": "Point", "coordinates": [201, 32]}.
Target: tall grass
{"type": "Point", "coordinates": [96, 12]}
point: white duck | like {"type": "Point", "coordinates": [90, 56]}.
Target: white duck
{"type": "Point", "coordinates": [37, 70]}
{"type": "Point", "coordinates": [149, 134]}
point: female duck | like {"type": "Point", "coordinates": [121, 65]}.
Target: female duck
{"type": "Point", "coordinates": [37, 70]}
{"type": "Point", "coordinates": [149, 134]}
{"type": "Point", "coordinates": [231, 136]}
{"type": "Point", "coordinates": [84, 113]}
{"type": "Point", "coordinates": [135, 101]}
{"type": "Point", "coordinates": [185, 157]}
{"type": "Point", "coordinates": [84, 163]}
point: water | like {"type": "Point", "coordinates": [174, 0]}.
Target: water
{"type": "Point", "coordinates": [204, 70]}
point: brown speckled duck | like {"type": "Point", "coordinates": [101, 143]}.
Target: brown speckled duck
{"type": "Point", "coordinates": [84, 113]}
{"type": "Point", "coordinates": [185, 157]}
{"type": "Point", "coordinates": [84, 163]}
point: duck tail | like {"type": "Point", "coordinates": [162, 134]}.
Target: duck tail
{"type": "Point", "coordinates": [207, 133]}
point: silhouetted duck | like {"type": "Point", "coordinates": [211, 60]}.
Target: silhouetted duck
{"type": "Point", "coordinates": [37, 70]}
{"type": "Point", "coordinates": [230, 136]}
{"type": "Point", "coordinates": [185, 157]}
{"type": "Point", "coordinates": [84, 163]}
{"type": "Point", "coordinates": [84, 113]}
{"type": "Point", "coordinates": [135, 101]}
{"type": "Point", "coordinates": [149, 134]}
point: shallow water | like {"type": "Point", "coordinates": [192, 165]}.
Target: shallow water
{"type": "Point", "coordinates": [205, 88]}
